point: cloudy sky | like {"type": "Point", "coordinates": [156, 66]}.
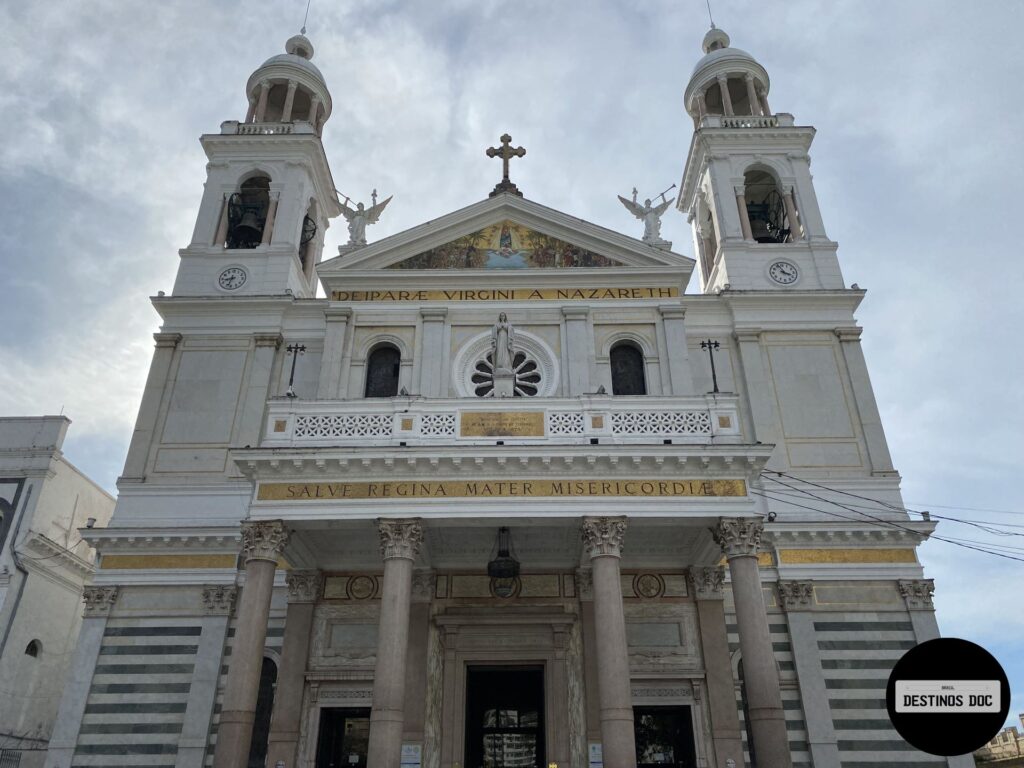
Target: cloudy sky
{"type": "Point", "coordinates": [919, 112]}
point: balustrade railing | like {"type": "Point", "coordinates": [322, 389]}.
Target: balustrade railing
{"type": "Point", "coordinates": [419, 421]}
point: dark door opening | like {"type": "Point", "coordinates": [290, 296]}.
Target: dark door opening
{"type": "Point", "coordinates": [344, 738]}
{"type": "Point", "coordinates": [664, 737]}
{"type": "Point", "coordinates": [505, 717]}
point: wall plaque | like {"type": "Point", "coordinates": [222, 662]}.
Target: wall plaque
{"type": "Point", "coordinates": [502, 424]}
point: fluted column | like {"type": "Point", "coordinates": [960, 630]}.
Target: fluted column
{"type": "Point", "coordinates": [741, 204]}
{"type": "Point", "coordinates": [289, 99]}
{"type": "Point", "coordinates": [755, 106]}
{"type": "Point", "coordinates": [723, 86]}
{"type": "Point", "coordinates": [763, 96]}
{"type": "Point", "coordinates": [262, 544]}
{"type": "Point", "coordinates": [283, 742]}
{"type": "Point", "coordinates": [740, 539]}
{"type": "Point", "coordinates": [400, 542]}
{"type": "Point", "coordinates": [602, 539]}
{"type": "Point", "coordinates": [707, 587]}
{"type": "Point", "coordinates": [261, 105]}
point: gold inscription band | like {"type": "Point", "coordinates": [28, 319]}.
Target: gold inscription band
{"type": "Point", "coordinates": [846, 556]}
{"type": "Point", "coordinates": [502, 424]}
{"type": "Point", "coordinates": [492, 489]}
{"type": "Point", "coordinates": [513, 294]}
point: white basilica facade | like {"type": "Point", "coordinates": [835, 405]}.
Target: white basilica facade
{"type": "Point", "coordinates": [488, 503]}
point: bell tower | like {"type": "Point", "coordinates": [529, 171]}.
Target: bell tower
{"type": "Point", "coordinates": [269, 195]}
{"type": "Point", "coordinates": [747, 187]}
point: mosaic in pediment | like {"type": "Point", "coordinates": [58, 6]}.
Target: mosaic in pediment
{"type": "Point", "coordinates": [506, 245]}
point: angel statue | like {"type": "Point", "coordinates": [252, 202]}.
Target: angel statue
{"type": "Point", "coordinates": [359, 217]}
{"type": "Point", "coordinates": [649, 214]}
{"type": "Point", "coordinates": [502, 338]}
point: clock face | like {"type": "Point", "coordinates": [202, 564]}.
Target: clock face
{"type": "Point", "coordinates": [232, 278]}
{"type": "Point", "coordinates": [783, 273]}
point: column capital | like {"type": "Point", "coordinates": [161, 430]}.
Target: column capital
{"type": "Point", "coordinates": [796, 595]}
{"type": "Point", "coordinates": [265, 83]}
{"type": "Point", "coordinates": [303, 586]}
{"type": "Point", "coordinates": [848, 334]}
{"type": "Point", "coordinates": [740, 190]}
{"type": "Point", "coordinates": [739, 536]}
{"type": "Point", "coordinates": [748, 77]}
{"type": "Point", "coordinates": [268, 340]}
{"type": "Point", "coordinates": [399, 539]}
{"type": "Point", "coordinates": [337, 314]}
{"type": "Point", "coordinates": [707, 582]}
{"type": "Point", "coordinates": [918, 593]}
{"type": "Point", "coordinates": [603, 535]}
{"type": "Point", "coordinates": [722, 78]}
{"type": "Point", "coordinates": [219, 598]}
{"type": "Point", "coordinates": [167, 340]}
{"type": "Point", "coordinates": [293, 84]}
{"type": "Point", "coordinates": [575, 311]}
{"type": "Point", "coordinates": [435, 314]}
{"type": "Point", "coordinates": [672, 311]}
{"type": "Point", "coordinates": [99, 600]}
{"type": "Point", "coordinates": [264, 540]}
{"type": "Point", "coordinates": [747, 334]}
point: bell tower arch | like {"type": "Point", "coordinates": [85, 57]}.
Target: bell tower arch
{"type": "Point", "coordinates": [269, 195]}
{"type": "Point", "coordinates": [747, 188]}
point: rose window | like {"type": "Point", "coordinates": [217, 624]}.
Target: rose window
{"type": "Point", "coordinates": [525, 371]}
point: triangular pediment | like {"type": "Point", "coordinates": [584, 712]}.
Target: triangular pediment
{"type": "Point", "coordinates": [505, 244]}
{"type": "Point", "coordinates": [507, 233]}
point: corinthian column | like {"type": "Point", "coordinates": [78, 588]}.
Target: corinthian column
{"type": "Point", "coordinates": [283, 741]}
{"type": "Point", "coordinates": [740, 539]}
{"type": "Point", "coordinates": [400, 542]}
{"type": "Point", "coordinates": [602, 538]}
{"type": "Point", "coordinates": [262, 544]}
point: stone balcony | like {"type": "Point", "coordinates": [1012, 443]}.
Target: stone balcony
{"type": "Point", "coordinates": [229, 127]}
{"type": "Point", "coordinates": [711, 419]}
{"type": "Point", "coordinates": [781, 120]}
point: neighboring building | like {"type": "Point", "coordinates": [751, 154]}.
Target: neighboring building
{"type": "Point", "coordinates": [44, 563]}
{"type": "Point", "coordinates": [383, 498]}
{"type": "Point", "coordinates": [1006, 750]}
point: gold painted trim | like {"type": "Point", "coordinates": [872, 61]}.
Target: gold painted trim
{"type": "Point", "coordinates": [502, 424]}
{"type": "Point", "coordinates": [846, 556]}
{"type": "Point", "coordinates": [484, 489]}
{"type": "Point", "coordinates": [165, 562]}
{"type": "Point", "coordinates": [514, 294]}
{"type": "Point", "coordinates": [764, 560]}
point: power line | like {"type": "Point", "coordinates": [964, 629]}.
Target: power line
{"type": "Point", "coordinates": [878, 520]}
{"type": "Point", "coordinates": [970, 509]}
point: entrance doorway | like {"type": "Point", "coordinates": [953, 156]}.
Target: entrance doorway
{"type": "Point", "coordinates": [344, 738]}
{"type": "Point", "coordinates": [664, 737]}
{"type": "Point", "coordinates": [505, 717]}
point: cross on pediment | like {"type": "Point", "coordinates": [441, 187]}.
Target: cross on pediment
{"type": "Point", "coordinates": [506, 153]}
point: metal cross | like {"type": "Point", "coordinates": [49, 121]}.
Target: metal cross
{"type": "Point", "coordinates": [296, 350]}
{"type": "Point", "coordinates": [506, 153]}
{"type": "Point", "coordinates": [711, 347]}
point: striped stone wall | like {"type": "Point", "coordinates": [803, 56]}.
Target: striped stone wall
{"type": "Point", "coordinates": [137, 700]}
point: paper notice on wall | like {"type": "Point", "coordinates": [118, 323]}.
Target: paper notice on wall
{"type": "Point", "coordinates": [412, 755]}
{"type": "Point", "coordinates": [596, 755]}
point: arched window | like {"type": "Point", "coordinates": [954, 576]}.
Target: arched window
{"type": "Point", "coordinates": [33, 649]}
{"type": "Point", "coordinates": [247, 213]}
{"type": "Point", "coordinates": [627, 362]}
{"type": "Point", "coordinates": [382, 367]}
{"type": "Point", "coordinates": [264, 706]}
{"type": "Point", "coordinates": [766, 208]}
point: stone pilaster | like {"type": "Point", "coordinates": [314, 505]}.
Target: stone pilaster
{"type": "Point", "coordinates": [332, 384]}
{"type": "Point", "coordinates": [917, 593]}
{"type": "Point", "coordinates": [257, 389]}
{"type": "Point", "coordinates": [602, 540]}
{"type": "Point", "coordinates": [98, 603]}
{"type": "Point", "coordinates": [740, 539]}
{"type": "Point", "coordinates": [864, 398]}
{"type": "Point", "coordinates": [707, 585]}
{"type": "Point", "coordinates": [262, 545]}
{"type": "Point", "coordinates": [217, 602]}
{"type": "Point", "coordinates": [577, 321]}
{"type": "Point", "coordinates": [149, 409]}
{"type": "Point", "coordinates": [673, 319]}
{"type": "Point", "coordinates": [433, 357]}
{"type": "Point", "coordinates": [797, 598]}
{"type": "Point", "coordinates": [400, 542]}
{"type": "Point", "coordinates": [303, 591]}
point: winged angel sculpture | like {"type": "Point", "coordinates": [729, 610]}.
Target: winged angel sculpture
{"type": "Point", "coordinates": [360, 216]}
{"type": "Point", "coordinates": [649, 214]}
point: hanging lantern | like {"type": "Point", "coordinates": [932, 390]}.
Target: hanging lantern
{"type": "Point", "coordinates": [503, 567]}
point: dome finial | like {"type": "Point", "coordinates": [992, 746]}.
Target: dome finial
{"type": "Point", "coordinates": [715, 39]}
